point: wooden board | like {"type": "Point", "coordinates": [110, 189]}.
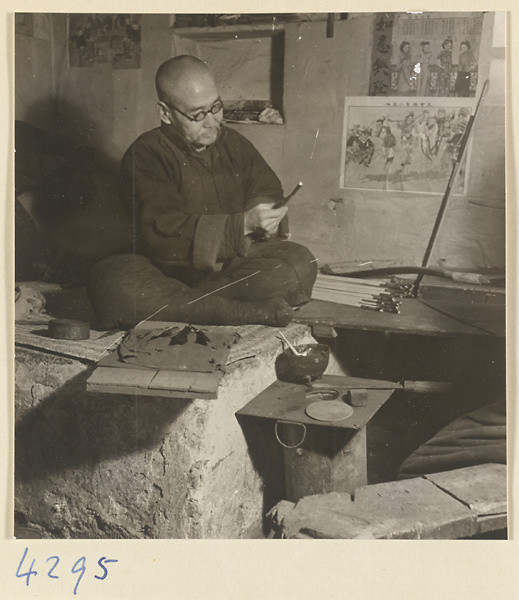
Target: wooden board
{"type": "Point", "coordinates": [410, 509]}
{"type": "Point", "coordinates": [126, 379]}
{"type": "Point", "coordinates": [482, 488]}
{"type": "Point", "coordinates": [438, 288]}
{"type": "Point", "coordinates": [414, 318]}
{"type": "Point", "coordinates": [112, 380]}
{"type": "Point", "coordinates": [200, 383]}
{"type": "Point", "coordinates": [35, 336]}
{"type": "Point", "coordinates": [451, 505]}
{"type": "Point", "coordinates": [288, 401]}
{"type": "Point", "coordinates": [489, 318]}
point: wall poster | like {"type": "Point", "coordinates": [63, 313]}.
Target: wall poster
{"type": "Point", "coordinates": [96, 39]}
{"type": "Point", "coordinates": [426, 55]}
{"type": "Point", "coordinates": [403, 145]}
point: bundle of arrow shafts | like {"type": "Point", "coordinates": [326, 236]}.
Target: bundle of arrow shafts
{"type": "Point", "coordinates": [371, 294]}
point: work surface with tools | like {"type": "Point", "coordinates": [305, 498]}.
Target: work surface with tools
{"type": "Point", "coordinates": [443, 308]}
{"type": "Point", "coordinates": [112, 376]}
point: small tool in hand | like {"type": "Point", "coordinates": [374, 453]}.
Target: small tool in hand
{"type": "Point", "coordinates": [262, 236]}
{"type": "Point", "coordinates": [287, 198]}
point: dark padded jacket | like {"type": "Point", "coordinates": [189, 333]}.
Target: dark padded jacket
{"type": "Point", "coordinates": [186, 207]}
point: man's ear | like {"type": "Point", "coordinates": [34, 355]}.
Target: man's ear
{"type": "Point", "coordinates": [163, 111]}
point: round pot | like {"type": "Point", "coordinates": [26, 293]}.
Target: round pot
{"type": "Point", "coordinates": [299, 369]}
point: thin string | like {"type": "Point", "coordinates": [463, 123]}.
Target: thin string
{"type": "Point", "coordinates": [223, 287]}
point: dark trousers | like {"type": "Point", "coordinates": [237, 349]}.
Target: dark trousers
{"type": "Point", "coordinates": [127, 288]}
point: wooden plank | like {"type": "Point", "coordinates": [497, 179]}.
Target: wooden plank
{"type": "Point", "coordinates": [488, 523]}
{"type": "Point", "coordinates": [438, 288]}
{"type": "Point", "coordinates": [204, 383]}
{"type": "Point", "coordinates": [411, 509]}
{"type": "Point", "coordinates": [207, 383]}
{"type": "Point", "coordinates": [287, 402]}
{"type": "Point", "coordinates": [174, 394]}
{"type": "Point", "coordinates": [414, 318]}
{"type": "Point", "coordinates": [113, 380]}
{"type": "Point", "coordinates": [121, 378]}
{"type": "Point", "coordinates": [482, 488]}
{"type": "Point", "coordinates": [36, 336]}
{"type": "Point", "coordinates": [490, 318]}
{"type": "Point", "coordinates": [418, 509]}
{"type": "Point", "coordinates": [172, 380]}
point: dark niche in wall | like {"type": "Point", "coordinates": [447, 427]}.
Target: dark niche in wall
{"type": "Point", "coordinates": [247, 60]}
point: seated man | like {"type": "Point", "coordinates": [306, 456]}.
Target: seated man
{"type": "Point", "coordinates": [199, 196]}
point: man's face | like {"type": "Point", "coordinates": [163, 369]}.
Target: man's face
{"type": "Point", "coordinates": [199, 95]}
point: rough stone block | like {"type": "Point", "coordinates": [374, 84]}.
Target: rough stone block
{"type": "Point", "coordinates": [92, 465]}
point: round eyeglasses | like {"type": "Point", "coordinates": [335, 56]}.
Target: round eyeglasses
{"type": "Point", "coordinates": [200, 116]}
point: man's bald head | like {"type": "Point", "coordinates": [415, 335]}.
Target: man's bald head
{"type": "Point", "coordinates": [186, 90]}
{"type": "Point", "coordinates": [180, 77]}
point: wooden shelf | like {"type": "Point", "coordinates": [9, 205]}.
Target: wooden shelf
{"type": "Point", "coordinates": [223, 32]}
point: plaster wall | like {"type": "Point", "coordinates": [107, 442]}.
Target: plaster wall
{"type": "Point", "coordinates": [383, 227]}
{"type": "Point", "coordinates": [34, 74]}
{"type": "Point", "coordinates": [109, 108]}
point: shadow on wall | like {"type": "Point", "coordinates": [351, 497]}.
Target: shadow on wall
{"type": "Point", "coordinates": [71, 430]}
{"type": "Point", "coordinates": [72, 192]}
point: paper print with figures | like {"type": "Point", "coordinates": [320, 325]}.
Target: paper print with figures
{"type": "Point", "coordinates": [403, 146]}
{"type": "Point", "coordinates": [101, 38]}
{"type": "Point", "coordinates": [426, 55]}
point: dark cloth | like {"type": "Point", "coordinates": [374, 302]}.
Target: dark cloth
{"type": "Point", "coordinates": [176, 348]}
{"type": "Point", "coordinates": [187, 207]}
{"type": "Point", "coordinates": [476, 438]}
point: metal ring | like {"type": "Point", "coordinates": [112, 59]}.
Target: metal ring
{"type": "Point", "coordinates": [323, 394]}
{"type": "Point", "coordinates": [290, 423]}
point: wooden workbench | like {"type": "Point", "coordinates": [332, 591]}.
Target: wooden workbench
{"type": "Point", "coordinates": [444, 308]}
{"type": "Point", "coordinates": [417, 317]}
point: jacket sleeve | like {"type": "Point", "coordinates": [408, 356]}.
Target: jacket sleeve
{"type": "Point", "coordinates": [261, 181]}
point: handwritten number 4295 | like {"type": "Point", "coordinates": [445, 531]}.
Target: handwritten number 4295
{"type": "Point", "coordinates": [79, 568]}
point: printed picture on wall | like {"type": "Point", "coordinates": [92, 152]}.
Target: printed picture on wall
{"type": "Point", "coordinates": [96, 39]}
{"type": "Point", "coordinates": [403, 146]}
{"type": "Point", "coordinates": [426, 55]}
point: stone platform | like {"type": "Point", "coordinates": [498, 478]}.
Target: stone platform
{"type": "Point", "coordinates": [94, 465]}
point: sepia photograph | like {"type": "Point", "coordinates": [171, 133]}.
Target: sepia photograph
{"type": "Point", "coordinates": [259, 276]}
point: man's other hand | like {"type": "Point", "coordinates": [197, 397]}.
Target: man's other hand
{"type": "Point", "coordinates": [263, 217]}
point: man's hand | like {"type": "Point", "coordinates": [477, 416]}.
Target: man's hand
{"type": "Point", "coordinates": [263, 217]}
